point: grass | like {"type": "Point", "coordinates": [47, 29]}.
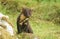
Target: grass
{"type": "Point", "coordinates": [42, 28]}
{"type": "Point", "coordinates": [46, 30]}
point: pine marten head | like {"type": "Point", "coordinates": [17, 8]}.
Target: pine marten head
{"type": "Point", "coordinates": [26, 12]}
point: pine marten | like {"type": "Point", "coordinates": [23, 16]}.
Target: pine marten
{"type": "Point", "coordinates": [23, 21]}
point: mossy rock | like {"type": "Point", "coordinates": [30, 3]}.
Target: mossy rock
{"type": "Point", "coordinates": [4, 34]}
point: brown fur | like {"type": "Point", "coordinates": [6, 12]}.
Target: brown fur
{"type": "Point", "coordinates": [23, 21]}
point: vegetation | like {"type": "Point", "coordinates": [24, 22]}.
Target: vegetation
{"type": "Point", "coordinates": [45, 19]}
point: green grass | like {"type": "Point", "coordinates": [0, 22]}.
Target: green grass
{"type": "Point", "coordinates": [46, 30]}
{"type": "Point", "coordinates": [42, 28]}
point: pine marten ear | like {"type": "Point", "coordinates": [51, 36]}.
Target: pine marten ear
{"type": "Point", "coordinates": [26, 12]}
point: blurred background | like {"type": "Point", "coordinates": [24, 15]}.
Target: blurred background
{"type": "Point", "coordinates": [45, 19]}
